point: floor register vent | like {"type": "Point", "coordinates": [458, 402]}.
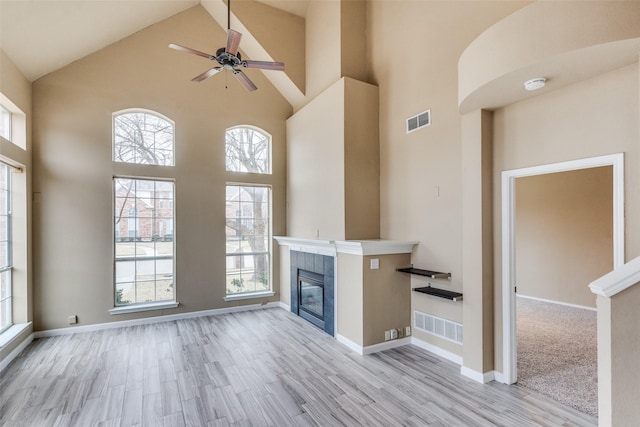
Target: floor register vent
{"type": "Point", "coordinates": [421, 120]}
{"type": "Point", "coordinates": [442, 328]}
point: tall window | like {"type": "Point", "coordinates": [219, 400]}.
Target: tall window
{"type": "Point", "coordinates": [248, 150]}
{"type": "Point", "coordinates": [248, 239]}
{"type": "Point", "coordinates": [6, 318]}
{"type": "Point", "coordinates": [5, 123]}
{"type": "Point", "coordinates": [143, 138]}
{"type": "Point", "coordinates": [144, 247]}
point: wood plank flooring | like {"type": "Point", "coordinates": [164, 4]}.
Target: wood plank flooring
{"type": "Point", "coordinates": [259, 368]}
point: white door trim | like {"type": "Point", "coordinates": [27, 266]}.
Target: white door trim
{"type": "Point", "coordinates": [509, 358]}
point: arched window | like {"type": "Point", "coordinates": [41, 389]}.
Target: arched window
{"type": "Point", "coordinates": [143, 137]}
{"type": "Point", "coordinates": [247, 149]}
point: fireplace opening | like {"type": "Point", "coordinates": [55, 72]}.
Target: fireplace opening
{"type": "Point", "coordinates": [311, 297]}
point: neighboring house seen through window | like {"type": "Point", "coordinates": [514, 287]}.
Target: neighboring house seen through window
{"type": "Point", "coordinates": [144, 247]}
{"type": "Point", "coordinates": [248, 212]}
{"type": "Point", "coordinates": [144, 250]}
{"type": "Point", "coordinates": [248, 234]}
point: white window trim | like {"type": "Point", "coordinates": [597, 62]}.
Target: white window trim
{"type": "Point", "coordinates": [249, 295]}
{"type": "Point", "coordinates": [12, 333]}
{"type": "Point", "coordinates": [135, 308]}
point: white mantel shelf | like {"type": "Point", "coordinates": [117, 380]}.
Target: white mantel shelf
{"type": "Point", "coordinates": [355, 247]}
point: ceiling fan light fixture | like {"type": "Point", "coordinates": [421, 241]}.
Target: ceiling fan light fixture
{"type": "Point", "coordinates": [228, 57]}
{"type": "Point", "coordinates": [535, 84]}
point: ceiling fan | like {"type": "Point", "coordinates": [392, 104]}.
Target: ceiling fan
{"type": "Point", "coordinates": [228, 58]}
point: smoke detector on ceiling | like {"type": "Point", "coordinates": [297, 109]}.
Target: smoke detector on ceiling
{"type": "Point", "coordinates": [535, 84]}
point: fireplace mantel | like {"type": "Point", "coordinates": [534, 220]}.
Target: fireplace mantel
{"type": "Point", "coordinates": [355, 247]}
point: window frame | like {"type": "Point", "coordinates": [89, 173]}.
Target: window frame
{"type": "Point", "coordinates": [8, 269]}
{"type": "Point", "coordinates": [152, 113]}
{"type": "Point", "coordinates": [134, 306]}
{"type": "Point", "coordinates": [4, 110]}
{"type": "Point", "coordinates": [268, 249]}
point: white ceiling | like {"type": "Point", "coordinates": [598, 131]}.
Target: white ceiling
{"type": "Point", "coordinates": [41, 36]}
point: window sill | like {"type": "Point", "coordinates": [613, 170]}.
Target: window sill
{"type": "Point", "coordinates": [12, 333]}
{"type": "Point", "coordinates": [135, 308]}
{"type": "Point", "coordinates": [249, 296]}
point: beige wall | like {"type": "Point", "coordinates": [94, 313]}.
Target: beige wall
{"type": "Point", "coordinates": [350, 297]}
{"type": "Point", "coordinates": [564, 234]}
{"type": "Point", "coordinates": [618, 362]}
{"type": "Point", "coordinates": [413, 54]}
{"type": "Point", "coordinates": [285, 273]}
{"type": "Point", "coordinates": [17, 89]}
{"type": "Point", "coordinates": [592, 118]}
{"type": "Point", "coordinates": [315, 166]}
{"type": "Point", "coordinates": [625, 363]}
{"type": "Point", "coordinates": [333, 187]}
{"type": "Point", "coordinates": [387, 296]}
{"type": "Point", "coordinates": [370, 302]}
{"type": "Point", "coordinates": [323, 46]}
{"type": "Point", "coordinates": [286, 44]}
{"type": "Point", "coordinates": [73, 169]}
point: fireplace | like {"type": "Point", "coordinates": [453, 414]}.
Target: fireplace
{"type": "Point", "coordinates": [312, 289]}
{"type": "Point", "coordinates": [311, 297]}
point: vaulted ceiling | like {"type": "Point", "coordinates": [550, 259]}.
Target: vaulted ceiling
{"type": "Point", "coordinates": [41, 36]}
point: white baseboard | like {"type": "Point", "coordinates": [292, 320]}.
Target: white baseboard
{"type": "Point", "coordinates": [499, 377]}
{"type": "Point", "coordinates": [154, 319]}
{"type": "Point", "coordinates": [584, 307]}
{"type": "Point", "coordinates": [477, 376]}
{"type": "Point", "coordinates": [353, 346]}
{"type": "Point", "coordinates": [15, 352]}
{"type": "Point", "coordinates": [284, 306]}
{"type": "Point", "coordinates": [387, 345]}
{"type": "Point", "coordinates": [372, 348]}
{"type": "Point", "coordinates": [452, 357]}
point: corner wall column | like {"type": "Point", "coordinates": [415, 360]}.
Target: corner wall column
{"type": "Point", "coordinates": [477, 245]}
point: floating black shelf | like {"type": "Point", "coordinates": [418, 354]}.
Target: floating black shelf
{"type": "Point", "coordinates": [426, 273]}
{"type": "Point", "coordinates": [453, 296]}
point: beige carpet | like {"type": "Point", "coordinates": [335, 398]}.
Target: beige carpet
{"type": "Point", "coordinates": [557, 353]}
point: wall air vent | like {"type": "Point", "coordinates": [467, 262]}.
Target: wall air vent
{"type": "Point", "coordinates": [416, 122]}
{"type": "Point", "coordinates": [442, 328]}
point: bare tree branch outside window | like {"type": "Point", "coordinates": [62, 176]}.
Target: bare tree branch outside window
{"type": "Point", "coordinates": [247, 212]}
{"type": "Point", "coordinates": [142, 138]}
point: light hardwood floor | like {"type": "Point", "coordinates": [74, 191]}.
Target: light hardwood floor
{"type": "Point", "coordinates": [259, 368]}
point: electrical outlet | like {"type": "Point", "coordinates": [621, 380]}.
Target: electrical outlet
{"type": "Point", "coordinates": [387, 335]}
{"type": "Point", "coordinates": [407, 331]}
{"type": "Point", "coordinates": [394, 334]}
{"type": "Point", "coordinates": [72, 319]}
{"type": "Point", "coordinates": [375, 263]}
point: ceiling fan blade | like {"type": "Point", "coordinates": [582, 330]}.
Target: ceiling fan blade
{"type": "Point", "coordinates": [264, 65]}
{"type": "Point", "coordinates": [207, 74]}
{"type": "Point", "coordinates": [189, 50]}
{"type": "Point", "coordinates": [244, 80]}
{"type": "Point", "coordinates": [233, 42]}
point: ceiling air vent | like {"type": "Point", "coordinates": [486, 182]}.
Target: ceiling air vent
{"type": "Point", "coordinates": [419, 121]}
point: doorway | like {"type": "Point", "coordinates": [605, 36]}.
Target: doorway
{"type": "Point", "coordinates": [509, 342]}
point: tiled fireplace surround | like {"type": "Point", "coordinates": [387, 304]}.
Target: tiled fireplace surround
{"type": "Point", "coordinates": [323, 257]}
